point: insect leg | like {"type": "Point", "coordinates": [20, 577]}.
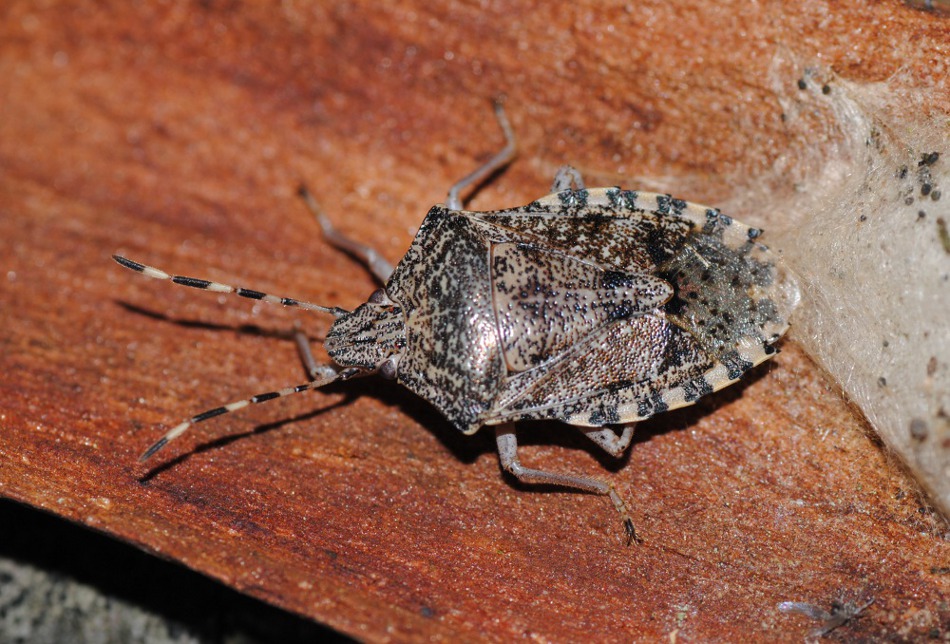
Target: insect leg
{"type": "Point", "coordinates": [607, 439]}
{"type": "Point", "coordinates": [567, 177]}
{"type": "Point", "coordinates": [508, 456]}
{"type": "Point", "coordinates": [502, 158]}
{"type": "Point", "coordinates": [316, 370]}
{"type": "Point", "coordinates": [377, 264]}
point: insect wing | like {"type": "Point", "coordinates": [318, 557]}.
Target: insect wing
{"type": "Point", "coordinates": [547, 302]}
{"type": "Point", "coordinates": [729, 304]}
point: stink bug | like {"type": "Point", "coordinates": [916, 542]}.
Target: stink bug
{"type": "Point", "coordinates": [596, 307]}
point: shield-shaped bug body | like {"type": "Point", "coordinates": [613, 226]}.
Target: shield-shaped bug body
{"type": "Point", "coordinates": [596, 307]}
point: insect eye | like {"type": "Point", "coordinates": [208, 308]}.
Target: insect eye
{"type": "Point", "coordinates": [379, 297]}
{"type": "Point", "coordinates": [388, 369]}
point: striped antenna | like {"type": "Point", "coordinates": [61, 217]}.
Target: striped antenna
{"type": "Point", "coordinates": [178, 430]}
{"type": "Point", "coordinates": [217, 287]}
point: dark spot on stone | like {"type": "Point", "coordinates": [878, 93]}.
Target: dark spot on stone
{"type": "Point", "coordinates": [918, 429]}
{"type": "Point", "coordinates": [825, 89]}
{"type": "Point", "coordinates": [882, 382]}
{"type": "Point", "coordinates": [944, 234]}
{"type": "Point", "coordinates": [802, 84]}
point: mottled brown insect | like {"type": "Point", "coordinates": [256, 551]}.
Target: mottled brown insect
{"type": "Point", "coordinates": [597, 307]}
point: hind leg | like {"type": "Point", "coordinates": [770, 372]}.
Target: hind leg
{"type": "Point", "coordinates": [508, 456]}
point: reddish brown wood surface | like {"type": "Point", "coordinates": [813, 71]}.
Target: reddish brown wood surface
{"type": "Point", "coordinates": [177, 133]}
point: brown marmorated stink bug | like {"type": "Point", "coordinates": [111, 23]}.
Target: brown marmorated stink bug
{"type": "Point", "coordinates": [596, 307]}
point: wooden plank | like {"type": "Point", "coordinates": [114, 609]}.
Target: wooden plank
{"type": "Point", "coordinates": [177, 134]}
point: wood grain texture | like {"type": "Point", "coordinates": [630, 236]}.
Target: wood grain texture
{"type": "Point", "coordinates": [177, 133]}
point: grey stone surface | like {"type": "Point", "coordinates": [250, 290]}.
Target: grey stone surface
{"type": "Point", "coordinates": [62, 584]}
{"type": "Point", "coordinates": [37, 606]}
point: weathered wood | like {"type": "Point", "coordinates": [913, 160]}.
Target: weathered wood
{"type": "Point", "coordinates": [178, 135]}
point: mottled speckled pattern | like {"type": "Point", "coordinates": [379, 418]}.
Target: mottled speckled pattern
{"type": "Point", "coordinates": [594, 307]}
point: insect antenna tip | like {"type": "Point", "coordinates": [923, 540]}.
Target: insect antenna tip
{"type": "Point", "coordinates": [128, 263]}
{"type": "Point", "coordinates": [159, 444]}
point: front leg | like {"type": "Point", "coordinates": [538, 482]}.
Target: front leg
{"type": "Point", "coordinates": [315, 370]}
{"type": "Point", "coordinates": [508, 456]}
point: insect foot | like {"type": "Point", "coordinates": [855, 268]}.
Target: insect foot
{"type": "Point", "coordinates": [597, 307]}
